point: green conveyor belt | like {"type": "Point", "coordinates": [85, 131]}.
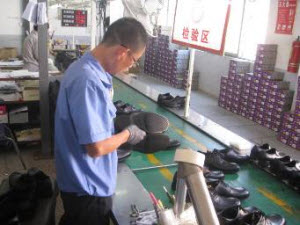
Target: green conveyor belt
{"type": "Point", "coordinates": [266, 192]}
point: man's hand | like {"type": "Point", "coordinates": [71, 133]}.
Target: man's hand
{"type": "Point", "coordinates": [136, 134]}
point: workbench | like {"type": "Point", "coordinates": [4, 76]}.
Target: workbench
{"type": "Point", "coordinates": [266, 192]}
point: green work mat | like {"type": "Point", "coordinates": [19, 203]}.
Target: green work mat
{"type": "Point", "coordinates": [266, 192]}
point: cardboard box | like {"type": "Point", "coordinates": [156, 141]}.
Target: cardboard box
{"type": "Point", "coordinates": [7, 53]}
{"type": "Point", "coordinates": [267, 47]}
{"type": "Point", "coordinates": [273, 75]}
{"type": "Point", "coordinates": [31, 94]}
{"type": "Point", "coordinates": [18, 115]}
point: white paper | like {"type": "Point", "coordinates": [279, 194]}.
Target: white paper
{"type": "Point", "coordinates": [36, 12]}
{"type": "Point", "coordinates": [30, 12]}
{"type": "Point", "coordinates": [12, 63]}
{"type": "Point", "coordinates": [42, 13]}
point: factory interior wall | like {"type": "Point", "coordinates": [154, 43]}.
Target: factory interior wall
{"type": "Point", "coordinates": [11, 24]}
{"type": "Point", "coordinates": [212, 67]}
{"type": "Point", "coordinates": [81, 34]}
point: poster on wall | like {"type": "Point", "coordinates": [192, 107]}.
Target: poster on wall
{"type": "Point", "coordinates": [201, 24]}
{"type": "Point", "coordinates": [286, 16]}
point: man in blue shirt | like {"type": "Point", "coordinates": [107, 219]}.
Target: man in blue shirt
{"type": "Point", "coordinates": [85, 142]}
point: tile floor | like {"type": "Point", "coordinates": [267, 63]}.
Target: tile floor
{"type": "Point", "coordinates": [208, 106]}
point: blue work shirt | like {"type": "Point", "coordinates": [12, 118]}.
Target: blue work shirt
{"type": "Point", "coordinates": [84, 115]}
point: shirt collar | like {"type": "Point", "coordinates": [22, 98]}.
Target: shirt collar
{"type": "Point", "coordinates": [105, 77]}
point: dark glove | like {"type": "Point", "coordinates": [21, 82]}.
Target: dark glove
{"type": "Point", "coordinates": [136, 134]}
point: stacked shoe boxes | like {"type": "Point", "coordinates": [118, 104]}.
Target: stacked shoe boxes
{"type": "Point", "coordinates": [195, 80]}
{"type": "Point", "coordinates": [231, 88]}
{"type": "Point", "coordinates": [151, 56]}
{"type": "Point", "coordinates": [261, 96]}
{"type": "Point", "coordinates": [165, 62]}
{"type": "Point", "coordinates": [290, 127]}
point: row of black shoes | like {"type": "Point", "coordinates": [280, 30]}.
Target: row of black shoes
{"type": "Point", "coordinates": [227, 202]}
{"type": "Point", "coordinates": [226, 160]}
{"type": "Point", "coordinates": [278, 164]}
{"type": "Point", "coordinates": [169, 101]}
{"type": "Point", "coordinates": [222, 194]}
{"type": "Point", "coordinates": [125, 108]}
{"type": "Point", "coordinates": [20, 193]}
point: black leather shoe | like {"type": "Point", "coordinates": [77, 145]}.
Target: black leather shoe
{"type": "Point", "coordinates": [171, 102]}
{"type": "Point", "coordinates": [44, 187]}
{"type": "Point", "coordinates": [261, 219]}
{"type": "Point", "coordinates": [258, 148]}
{"type": "Point", "coordinates": [232, 215]}
{"type": "Point", "coordinates": [232, 156]}
{"type": "Point", "coordinates": [264, 157]}
{"type": "Point", "coordinates": [127, 109]}
{"type": "Point", "coordinates": [214, 174]}
{"type": "Point", "coordinates": [213, 160]}
{"type": "Point", "coordinates": [163, 97]}
{"type": "Point", "coordinates": [221, 203]}
{"type": "Point", "coordinates": [289, 168]}
{"type": "Point", "coordinates": [119, 103]}
{"type": "Point", "coordinates": [173, 144]}
{"type": "Point", "coordinates": [277, 165]}
{"type": "Point", "coordinates": [123, 154]}
{"type": "Point", "coordinates": [223, 189]}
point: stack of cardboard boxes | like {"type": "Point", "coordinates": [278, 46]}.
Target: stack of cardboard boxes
{"type": "Point", "coordinates": [165, 62]}
{"type": "Point", "coordinates": [261, 96]}
{"type": "Point", "coordinates": [290, 127]}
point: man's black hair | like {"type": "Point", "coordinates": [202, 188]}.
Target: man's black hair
{"type": "Point", "coordinates": [127, 32]}
{"type": "Point", "coordinates": [35, 27]}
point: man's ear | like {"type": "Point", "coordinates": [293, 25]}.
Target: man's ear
{"type": "Point", "coordinates": [121, 52]}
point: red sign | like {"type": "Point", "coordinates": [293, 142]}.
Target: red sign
{"type": "Point", "coordinates": [286, 16]}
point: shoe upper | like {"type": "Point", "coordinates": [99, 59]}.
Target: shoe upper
{"type": "Point", "coordinates": [224, 189]}
{"type": "Point", "coordinates": [214, 159]}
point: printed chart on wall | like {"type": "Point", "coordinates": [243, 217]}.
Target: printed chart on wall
{"type": "Point", "coordinates": [201, 24]}
{"type": "Point", "coordinates": [286, 16]}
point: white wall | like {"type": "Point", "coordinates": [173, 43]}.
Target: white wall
{"type": "Point", "coordinates": [10, 17]}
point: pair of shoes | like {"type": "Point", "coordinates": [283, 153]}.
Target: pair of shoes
{"type": "Point", "coordinates": [248, 216]}
{"type": "Point", "coordinates": [214, 160]}
{"type": "Point", "coordinates": [125, 108]}
{"type": "Point", "coordinates": [224, 189]}
{"type": "Point", "coordinates": [264, 157]}
{"type": "Point", "coordinates": [211, 176]}
{"type": "Point", "coordinates": [258, 217]}
{"type": "Point", "coordinates": [221, 203]}
{"type": "Point", "coordinates": [232, 216]}
{"type": "Point", "coordinates": [231, 155]}
{"type": "Point", "coordinates": [287, 170]}
{"type": "Point", "coordinates": [167, 100]}
{"type": "Point", "coordinates": [259, 148]}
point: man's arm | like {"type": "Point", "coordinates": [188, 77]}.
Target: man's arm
{"type": "Point", "coordinates": [108, 145]}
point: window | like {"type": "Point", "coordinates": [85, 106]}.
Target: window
{"type": "Point", "coordinates": [247, 25]}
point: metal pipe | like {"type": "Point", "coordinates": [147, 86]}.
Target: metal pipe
{"type": "Point", "coordinates": [154, 167]}
{"type": "Point", "coordinates": [204, 208]}
{"type": "Point", "coordinates": [189, 83]}
{"type": "Point", "coordinates": [180, 197]}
